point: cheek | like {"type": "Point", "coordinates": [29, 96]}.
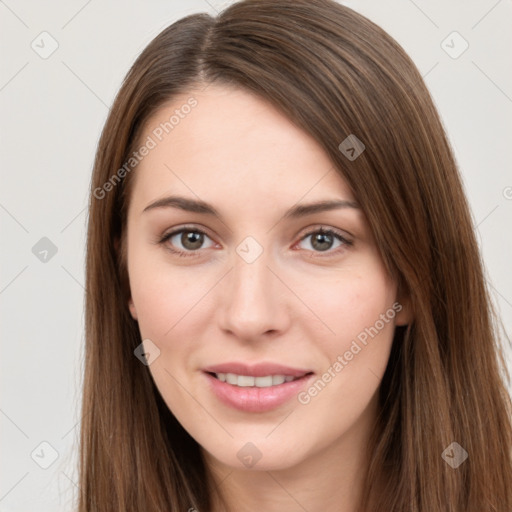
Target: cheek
{"type": "Point", "coordinates": [161, 301]}
{"type": "Point", "coordinates": [171, 307]}
{"type": "Point", "coordinates": [166, 298]}
{"type": "Point", "coordinates": [353, 301]}
{"type": "Point", "coordinates": [358, 310]}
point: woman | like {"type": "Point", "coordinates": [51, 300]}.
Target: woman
{"type": "Point", "coordinates": [286, 307]}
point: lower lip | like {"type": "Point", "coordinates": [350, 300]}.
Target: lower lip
{"type": "Point", "coordinates": [254, 399]}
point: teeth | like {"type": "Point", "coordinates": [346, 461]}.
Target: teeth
{"type": "Point", "coordinates": [248, 381]}
{"type": "Point", "coordinates": [278, 379]}
{"type": "Point", "coordinates": [243, 380]}
{"type": "Point", "coordinates": [263, 382]}
{"type": "Point", "coordinates": [231, 378]}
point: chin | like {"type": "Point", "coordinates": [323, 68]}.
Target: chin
{"type": "Point", "coordinates": [258, 456]}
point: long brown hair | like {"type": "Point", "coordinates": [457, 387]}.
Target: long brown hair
{"type": "Point", "coordinates": [335, 74]}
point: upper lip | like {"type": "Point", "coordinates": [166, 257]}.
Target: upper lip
{"type": "Point", "coordinates": [256, 370]}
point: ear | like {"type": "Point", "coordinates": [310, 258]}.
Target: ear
{"type": "Point", "coordinates": [131, 307]}
{"type": "Point", "coordinates": [404, 315]}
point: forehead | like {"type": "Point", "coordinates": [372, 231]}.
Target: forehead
{"type": "Point", "coordinates": [222, 143]}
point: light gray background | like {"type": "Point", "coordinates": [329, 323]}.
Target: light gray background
{"type": "Point", "coordinates": [52, 112]}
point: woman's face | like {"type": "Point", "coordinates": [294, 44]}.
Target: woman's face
{"type": "Point", "coordinates": [255, 289]}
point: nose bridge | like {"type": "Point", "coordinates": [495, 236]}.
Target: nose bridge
{"type": "Point", "coordinates": [251, 306]}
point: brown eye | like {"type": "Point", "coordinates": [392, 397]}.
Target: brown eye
{"type": "Point", "coordinates": [191, 240]}
{"type": "Point", "coordinates": [323, 240]}
{"type": "Point", "coordinates": [186, 242]}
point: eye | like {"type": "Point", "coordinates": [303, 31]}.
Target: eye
{"type": "Point", "coordinates": [323, 240]}
{"type": "Point", "coordinates": [188, 241]}
{"type": "Point", "coordinates": [185, 241]}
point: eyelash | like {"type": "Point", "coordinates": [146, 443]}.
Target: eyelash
{"type": "Point", "coordinates": [325, 231]}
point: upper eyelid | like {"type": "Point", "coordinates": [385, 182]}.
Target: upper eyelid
{"type": "Point", "coordinates": [172, 232]}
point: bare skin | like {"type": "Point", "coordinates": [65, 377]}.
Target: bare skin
{"type": "Point", "coordinates": [302, 302]}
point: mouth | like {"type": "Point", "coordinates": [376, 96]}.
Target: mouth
{"type": "Point", "coordinates": [265, 381]}
{"type": "Point", "coordinates": [257, 388]}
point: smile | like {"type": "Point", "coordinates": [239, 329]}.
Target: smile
{"type": "Point", "coordinates": [250, 381]}
{"type": "Point", "coordinates": [256, 387]}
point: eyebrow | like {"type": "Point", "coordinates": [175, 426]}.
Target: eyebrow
{"type": "Point", "coordinates": [297, 211]}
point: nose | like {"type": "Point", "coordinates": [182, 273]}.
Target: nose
{"type": "Point", "coordinates": [254, 301]}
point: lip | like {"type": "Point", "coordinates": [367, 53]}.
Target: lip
{"type": "Point", "coordinates": [255, 399]}
{"type": "Point", "coordinates": [256, 370]}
